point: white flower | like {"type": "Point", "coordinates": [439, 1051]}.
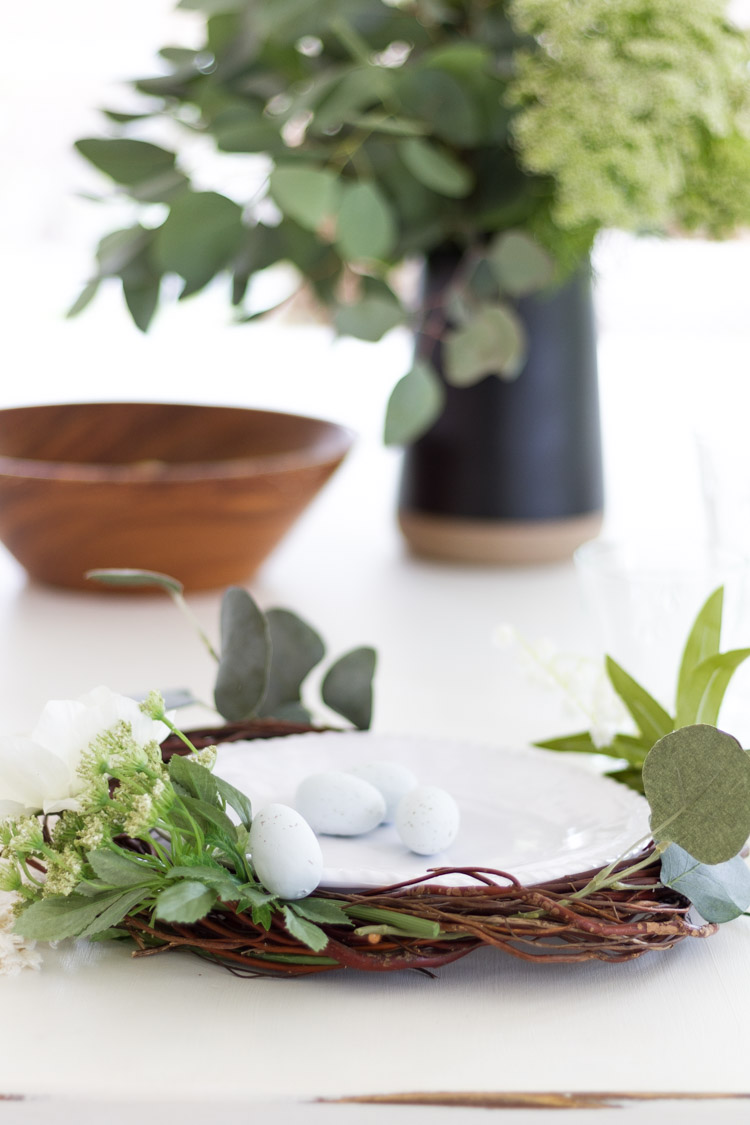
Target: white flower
{"type": "Point", "coordinates": [39, 774]}
{"type": "Point", "coordinates": [15, 952]}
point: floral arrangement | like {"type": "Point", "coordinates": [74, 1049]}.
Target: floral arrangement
{"type": "Point", "coordinates": [106, 835]}
{"type": "Point", "coordinates": [510, 131]}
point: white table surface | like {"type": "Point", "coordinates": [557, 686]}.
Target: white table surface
{"type": "Point", "coordinates": [676, 1022]}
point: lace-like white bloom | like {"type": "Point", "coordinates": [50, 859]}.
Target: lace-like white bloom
{"type": "Point", "coordinates": [15, 952]}
{"type": "Point", "coordinates": [39, 774]}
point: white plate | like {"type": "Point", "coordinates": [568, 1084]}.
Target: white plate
{"type": "Point", "coordinates": [527, 811]}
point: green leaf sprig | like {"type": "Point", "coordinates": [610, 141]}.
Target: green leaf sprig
{"type": "Point", "coordinates": [704, 676]}
{"type": "Point", "coordinates": [265, 657]}
{"type": "Point", "coordinates": [695, 777]}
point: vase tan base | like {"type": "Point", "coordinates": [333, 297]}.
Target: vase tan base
{"type": "Point", "coordinates": [497, 542]}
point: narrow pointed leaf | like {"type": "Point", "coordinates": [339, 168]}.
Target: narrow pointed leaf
{"type": "Point", "coordinates": [649, 716]}
{"type": "Point", "coordinates": [322, 910]}
{"type": "Point", "coordinates": [242, 679]}
{"type": "Point", "coordinates": [347, 687]}
{"type": "Point", "coordinates": [306, 932]}
{"type": "Point", "coordinates": [236, 800]}
{"type": "Point", "coordinates": [703, 641]}
{"type": "Point", "coordinates": [697, 781]}
{"type": "Point", "coordinates": [117, 869]}
{"type": "Point", "coordinates": [708, 684]}
{"type": "Point", "coordinates": [719, 892]}
{"type": "Point", "coordinates": [84, 298]}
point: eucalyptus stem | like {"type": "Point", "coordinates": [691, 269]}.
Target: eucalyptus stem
{"type": "Point", "coordinates": [182, 605]}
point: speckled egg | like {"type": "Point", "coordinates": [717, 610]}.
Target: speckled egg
{"type": "Point", "coordinates": [285, 852]}
{"type": "Point", "coordinates": [339, 804]}
{"type": "Point", "coordinates": [391, 779]}
{"type": "Point", "coordinates": [427, 820]}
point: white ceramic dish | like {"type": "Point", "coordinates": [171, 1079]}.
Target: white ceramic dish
{"type": "Point", "coordinates": [527, 812]}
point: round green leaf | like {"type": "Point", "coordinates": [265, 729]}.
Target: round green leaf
{"type": "Point", "coordinates": [416, 402]}
{"type": "Point", "coordinates": [199, 237]}
{"type": "Point", "coordinates": [697, 781]}
{"type": "Point", "coordinates": [295, 650]}
{"type": "Point", "coordinates": [368, 319]}
{"type": "Point", "coordinates": [242, 678]}
{"type": "Point", "coordinates": [520, 264]}
{"type": "Point", "coordinates": [366, 227]}
{"type": "Point", "coordinates": [442, 100]}
{"type": "Point", "coordinates": [719, 892]}
{"type": "Point", "coordinates": [491, 343]}
{"type": "Point", "coordinates": [436, 168]}
{"type": "Point", "coordinates": [305, 193]}
{"type": "Point", "coordinates": [347, 687]}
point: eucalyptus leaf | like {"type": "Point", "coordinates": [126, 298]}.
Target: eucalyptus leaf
{"type": "Point", "coordinates": [719, 892]}
{"type": "Point", "coordinates": [306, 193]}
{"type": "Point", "coordinates": [185, 902]}
{"type": "Point", "coordinates": [296, 648]}
{"type": "Point", "coordinates": [521, 265]}
{"type": "Point", "coordinates": [125, 160]}
{"type": "Point", "coordinates": [369, 318]}
{"type": "Point", "coordinates": [435, 167]}
{"type": "Point", "coordinates": [293, 713]}
{"type": "Point", "coordinates": [120, 870]}
{"type": "Point", "coordinates": [242, 679]}
{"type": "Point", "coordinates": [365, 226]}
{"type": "Point", "coordinates": [442, 101]}
{"type": "Point", "coordinates": [415, 404]}
{"type": "Point", "coordinates": [697, 781]}
{"type": "Point", "coordinates": [347, 686]}
{"type": "Point", "coordinates": [199, 237]}
{"type": "Point", "coordinates": [306, 932]}
{"type": "Point", "coordinates": [703, 641]}
{"type": "Point", "coordinates": [491, 343]}
{"type": "Point", "coordinates": [135, 578]}
{"type": "Point", "coordinates": [142, 301]}
{"type": "Point", "coordinates": [118, 249]}
{"type": "Point", "coordinates": [649, 716]}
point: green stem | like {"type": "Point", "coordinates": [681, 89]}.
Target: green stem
{"type": "Point", "coordinates": [184, 608]}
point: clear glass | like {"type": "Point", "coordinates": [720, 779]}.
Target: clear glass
{"type": "Point", "coordinates": [643, 597]}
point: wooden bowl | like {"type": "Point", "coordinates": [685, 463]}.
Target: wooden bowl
{"type": "Point", "coordinates": [202, 493]}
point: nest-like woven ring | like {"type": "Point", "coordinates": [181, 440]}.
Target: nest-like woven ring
{"type": "Point", "coordinates": [539, 922]}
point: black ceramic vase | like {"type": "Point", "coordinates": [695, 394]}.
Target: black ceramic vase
{"type": "Point", "coordinates": [511, 472]}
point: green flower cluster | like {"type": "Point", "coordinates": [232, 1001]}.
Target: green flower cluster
{"type": "Point", "coordinates": [637, 109]}
{"type": "Point", "coordinates": [126, 793]}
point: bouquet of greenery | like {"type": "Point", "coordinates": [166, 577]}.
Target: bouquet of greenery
{"type": "Point", "coordinates": [105, 836]}
{"type": "Point", "coordinates": [508, 131]}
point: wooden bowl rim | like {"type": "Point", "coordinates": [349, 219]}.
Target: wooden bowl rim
{"type": "Point", "coordinates": [328, 447]}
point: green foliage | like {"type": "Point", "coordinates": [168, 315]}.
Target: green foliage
{"type": "Point", "coordinates": [416, 402]}
{"type": "Point", "coordinates": [244, 665]}
{"type": "Point", "coordinates": [704, 676]}
{"type": "Point", "coordinates": [264, 661]}
{"type": "Point", "coordinates": [347, 687]}
{"type": "Point", "coordinates": [719, 892]}
{"type": "Point", "coordinates": [697, 782]}
{"type": "Point", "coordinates": [394, 130]}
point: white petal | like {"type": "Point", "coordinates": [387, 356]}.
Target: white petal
{"type": "Point", "coordinates": [59, 804]}
{"type": "Point", "coordinates": [29, 773]}
{"type": "Point", "coordinates": [66, 727]}
{"type": "Point", "coordinates": [10, 810]}
{"type": "Point", "coordinates": [113, 708]}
